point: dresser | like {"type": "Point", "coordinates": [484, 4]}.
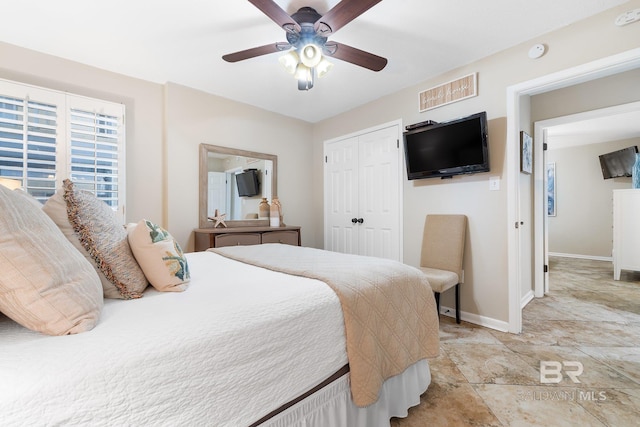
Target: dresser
{"type": "Point", "coordinates": [626, 231]}
{"type": "Point", "coordinates": [206, 238]}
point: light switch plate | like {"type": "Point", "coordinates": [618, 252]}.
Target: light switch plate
{"type": "Point", "coordinates": [494, 183]}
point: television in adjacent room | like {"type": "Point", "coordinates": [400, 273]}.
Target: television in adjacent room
{"type": "Point", "coordinates": [442, 150]}
{"type": "Point", "coordinates": [248, 184]}
{"type": "Point", "coordinates": [618, 163]}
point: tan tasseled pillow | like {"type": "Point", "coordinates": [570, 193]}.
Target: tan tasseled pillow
{"type": "Point", "coordinates": [45, 284]}
{"type": "Point", "coordinates": [159, 255]}
{"type": "Point", "coordinates": [56, 208]}
{"type": "Point", "coordinates": [93, 227]}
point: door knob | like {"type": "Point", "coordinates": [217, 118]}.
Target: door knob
{"type": "Point", "coordinates": [354, 220]}
{"type": "Point", "coordinates": [360, 220]}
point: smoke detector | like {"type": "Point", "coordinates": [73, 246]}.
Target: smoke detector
{"type": "Point", "coordinates": [628, 17]}
{"type": "Point", "coordinates": [537, 51]}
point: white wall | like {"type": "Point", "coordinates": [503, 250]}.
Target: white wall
{"type": "Point", "coordinates": [584, 212]}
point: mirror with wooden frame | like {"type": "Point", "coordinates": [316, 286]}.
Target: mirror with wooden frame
{"type": "Point", "coordinates": [228, 183]}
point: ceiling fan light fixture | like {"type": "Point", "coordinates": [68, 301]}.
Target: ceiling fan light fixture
{"type": "Point", "coordinates": [290, 61]}
{"type": "Point", "coordinates": [310, 55]}
{"type": "Point", "coordinates": [323, 68]}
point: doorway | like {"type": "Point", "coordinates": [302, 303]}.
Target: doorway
{"type": "Point", "coordinates": [606, 125]}
{"type": "Point", "coordinates": [516, 95]}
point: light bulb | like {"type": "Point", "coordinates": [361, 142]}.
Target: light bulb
{"type": "Point", "coordinates": [289, 61]}
{"type": "Point", "coordinates": [323, 67]}
{"type": "Point", "coordinates": [304, 75]}
{"type": "Point", "coordinates": [310, 55]}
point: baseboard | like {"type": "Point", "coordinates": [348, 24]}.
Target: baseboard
{"type": "Point", "coordinates": [591, 257]}
{"type": "Point", "coordinates": [476, 319]}
{"type": "Point", "coordinates": [526, 299]}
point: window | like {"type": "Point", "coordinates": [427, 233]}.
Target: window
{"type": "Point", "coordinates": [47, 136]}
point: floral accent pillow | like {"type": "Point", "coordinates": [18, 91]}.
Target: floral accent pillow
{"type": "Point", "coordinates": [159, 255]}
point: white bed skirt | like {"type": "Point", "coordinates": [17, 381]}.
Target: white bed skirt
{"type": "Point", "coordinates": [332, 406]}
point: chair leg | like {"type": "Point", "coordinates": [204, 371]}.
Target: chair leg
{"type": "Point", "coordinates": [437, 295]}
{"type": "Point", "coordinates": [457, 303]}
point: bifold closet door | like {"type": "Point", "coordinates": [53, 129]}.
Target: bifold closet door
{"type": "Point", "coordinates": [362, 194]}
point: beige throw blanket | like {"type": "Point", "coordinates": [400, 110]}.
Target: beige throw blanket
{"type": "Point", "coordinates": [389, 309]}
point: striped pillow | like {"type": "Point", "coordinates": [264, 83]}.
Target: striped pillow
{"type": "Point", "coordinates": [46, 285]}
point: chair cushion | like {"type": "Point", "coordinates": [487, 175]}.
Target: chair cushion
{"type": "Point", "coordinates": [443, 242]}
{"type": "Point", "coordinates": [440, 280]}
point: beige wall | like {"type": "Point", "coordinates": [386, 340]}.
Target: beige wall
{"type": "Point", "coordinates": [143, 103]}
{"type": "Point", "coordinates": [485, 291]}
{"type": "Point", "coordinates": [193, 117]}
{"type": "Point", "coordinates": [166, 123]}
{"type": "Point", "coordinates": [584, 220]}
{"type": "Point", "coordinates": [580, 186]}
{"type": "Point", "coordinates": [622, 88]}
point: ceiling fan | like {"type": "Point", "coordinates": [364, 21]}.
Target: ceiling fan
{"type": "Point", "coordinates": [307, 44]}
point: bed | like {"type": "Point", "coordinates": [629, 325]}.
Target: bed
{"type": "Point", "coordinates": [249, 342]}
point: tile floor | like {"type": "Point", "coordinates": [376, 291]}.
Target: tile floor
{"type": "Point", "coordinates": [489, 378]}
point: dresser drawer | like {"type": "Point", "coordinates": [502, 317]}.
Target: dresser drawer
{"type": "Point", "coordinates": [237, 239]}
{"type": "Point", "coordinates": [286, 237]}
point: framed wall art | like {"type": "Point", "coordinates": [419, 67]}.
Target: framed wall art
{"type": "Point", "coordinates": [551, 189]}
{"type": "Point", "coordinates": [526, 153]}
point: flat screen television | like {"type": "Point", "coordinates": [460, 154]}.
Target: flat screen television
{"type": "Point", "coordinates": [248, 184]}
{"type": "Point", "coordinates": [443, 150]}
{"type": "Point", "coordinates": [618, 163]}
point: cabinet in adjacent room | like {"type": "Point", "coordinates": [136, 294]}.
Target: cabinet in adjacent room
{"type": "Point", "coordinates": [626, 231]}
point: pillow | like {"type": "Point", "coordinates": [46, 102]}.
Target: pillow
{"type": "Point", "coordinates": [46, 285]}
{"type": "Point", "coordinates": [56, 209]}
{"type": "Point", "coordinates": [93, 228]}
{"type": "Point", "coordinates": [159, 255]}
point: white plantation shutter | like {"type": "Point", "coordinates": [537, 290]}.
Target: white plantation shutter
{"type": "Point", "coordinates": [47, 136]}
{"type": "Point", "coordinates": [28, 144]}
{"type": "Point", "coordinates": [94, 154]}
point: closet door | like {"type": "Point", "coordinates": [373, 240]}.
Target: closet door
{"type": "Point", "coordinates": [341, 196]}
{"type": "Point", "coordinates": [378, 194]}
{"type": "Point", "coordinates": [362, 194]}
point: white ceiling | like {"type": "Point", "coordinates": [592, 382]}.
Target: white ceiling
{"type": "Point", "coordinates": [616, 127]}
{"type": "Point", "coordinates": [182, 41]}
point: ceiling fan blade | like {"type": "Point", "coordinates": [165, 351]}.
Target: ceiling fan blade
{"type": "Point", "coordinates": [341, 14]}
{"type": "Point", "coordinates": [355, 56]}
{"type": "Point", "coordinates": [256, 51]}
{"type": "Point", "coordinates": [277, 15]}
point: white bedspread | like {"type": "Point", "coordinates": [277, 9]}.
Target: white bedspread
{"type": "Point", "coordinates": [238, 343]}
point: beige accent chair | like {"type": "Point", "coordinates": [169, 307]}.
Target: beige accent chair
{"type": "Point", "coordinates": [442, 254]}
